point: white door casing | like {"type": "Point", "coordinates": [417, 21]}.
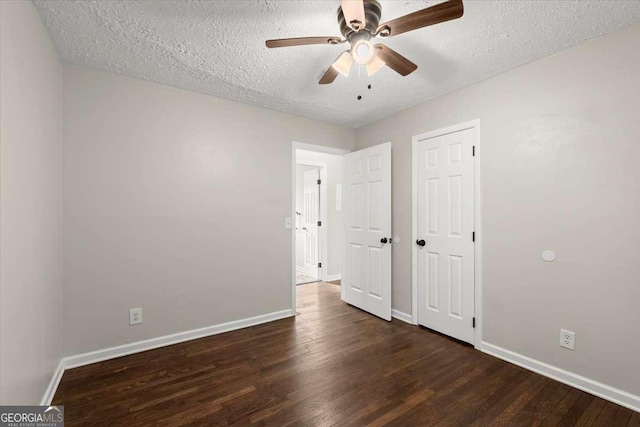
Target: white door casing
{"type": "Point", "coordinates": [366, 209]}
{"type": "Point", "coordinates": [310, 218]}
{"type": "Point", "coordinates": [295, 147]}
{"type": "Point", "coordinates": [445, 221]}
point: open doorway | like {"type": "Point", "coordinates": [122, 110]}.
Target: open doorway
{"type": "Point", "coordinates": [308, 223]}
{"type": "Point", "coordinates": [317, 214]}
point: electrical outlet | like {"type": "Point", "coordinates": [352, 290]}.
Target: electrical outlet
{"type": "Point", "coordinates": [567, 339]}
{"type": "Point", "coordinates": [135, 316]}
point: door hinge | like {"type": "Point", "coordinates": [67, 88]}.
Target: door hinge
{"type": "Point", "coordinates": [319, 181]}
{"type": "Point", "coordinates": [474, 151]}
{"type": "Point", "coordinates": [474, 322]}
{"type": "Point", "coordinates": [473, 236]}
{"type": "Point", "coordinates": [319, 265]}
{"type": "Point", "coordinates": [319, 223]}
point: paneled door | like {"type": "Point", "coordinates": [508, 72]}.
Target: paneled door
{"type": "Point", "coordinates": [366, 204]}
{"type": "Point", "coordinates": [445, 233]}
{"type": "Point", "coordinates": [310, 218]}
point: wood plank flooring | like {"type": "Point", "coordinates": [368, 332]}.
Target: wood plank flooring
{"type": "Point", "coordinates": [331, 365]}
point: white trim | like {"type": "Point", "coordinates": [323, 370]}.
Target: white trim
{"type": "Point", "coordinates": [596, 388]}
{"type": "Point", "coordinates": [53, 384]}
{"type": "Point", "coordinates": [479, 235]}
{"type": "Point", "coordinates": [402, 316]}
{"type": "Point", "coordinates": [333, 277]}
{"type": "Point", "coordinates": [414, 230]}
{"type": "Point", "coordinates": [474, 124]}
{"type": "Point", "coordinates": [308, 147]}
{"type": "Point", "coordinates": [139, 346]}
{"type": "Point", "coordinates": [78, 360]}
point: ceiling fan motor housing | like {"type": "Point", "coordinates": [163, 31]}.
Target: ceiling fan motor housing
{"type": "Point", "coordinates": [372, 13]}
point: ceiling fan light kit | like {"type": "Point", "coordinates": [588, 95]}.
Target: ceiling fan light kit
{"type": "Point", "coordinates": [374, 66]}
{"type": "Point", "coordinates": [362, 52]}
{"type": "Point", "coordinates": [343, 64]}
{"type": "Point", "coordinates": [359, 22]}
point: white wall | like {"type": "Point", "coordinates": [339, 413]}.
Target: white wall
{"type": "Point", "coordinates": [174, 202]}
{"type": "Point", "coordinates": [334, 217]}
{"type": "Point", "coordinates": [560, 171]}
{"type": "Point", "coordinates": [300, 170]}
{"type": "Point", "coordinates": [30, 205]}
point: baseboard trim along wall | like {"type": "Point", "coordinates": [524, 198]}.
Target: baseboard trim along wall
{"type": "Point", "coordinates": [596, 388]}
{"type": "Point", "coordinates": [401, 316]}
{"type": "Point", "coordinates": [53, 385]}
{"type": "Point", "coordinates": [78, 360]}
{"type": "Point", "coordinates": [333, 277]}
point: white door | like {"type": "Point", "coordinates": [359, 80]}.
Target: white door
{"type": "Point", "coordinates": [445, 233]}
{"type": "Point", "coordinates": [310, 218]}
{"type": "Point", "coordinates": [366, 215]}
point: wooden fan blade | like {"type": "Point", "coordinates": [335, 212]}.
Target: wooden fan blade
{"type": "Point", "coordinates": [393, 59]}
{"type": "Point", "coordinates": [301, 41]}
{"type": "Point", "coordinates": [353, 11]}
{"type": "Point", "coordinates": [451, 9]}
{"type": "Point", "coordinates": [329, 76]}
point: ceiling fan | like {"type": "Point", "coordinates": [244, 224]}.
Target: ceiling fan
{"type": "Point", "coordinates": [359, 22]}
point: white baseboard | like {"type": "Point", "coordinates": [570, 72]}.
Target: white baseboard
{"type": "Point", "coordinates": [333, 277]}
{"type": "Point", "coordinates": [596, 388]}
{"type": "Point", "coordinates": [401, 316]}
{"type": "Point", "coordinates": [53, 384]}
{"type": "Point", "coordinates": [139, 346]}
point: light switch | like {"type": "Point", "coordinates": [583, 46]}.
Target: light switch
{"type": "Point", "coordinates": [287, 222]}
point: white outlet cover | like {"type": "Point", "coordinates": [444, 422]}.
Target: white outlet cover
{"type": "Point", "coordinates": [549, 255]}
{"type": "Point", "coordinates": [135, 316]}
{"type": "Point", "coordinates": [567, 339]}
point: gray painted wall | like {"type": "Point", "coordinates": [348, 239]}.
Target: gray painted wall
{"type": "Point", "coordinates": [560, 158]}
{"type": "Point", "coordinates": [30, 205]}
{"type": "Point", "coordinates": [174, 202]}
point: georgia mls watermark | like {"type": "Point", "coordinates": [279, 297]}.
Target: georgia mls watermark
{"type": "Point", "coordinates": [31, 416]}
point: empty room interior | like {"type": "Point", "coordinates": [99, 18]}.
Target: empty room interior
{"type": "Point", "coordinates": [319, 213]}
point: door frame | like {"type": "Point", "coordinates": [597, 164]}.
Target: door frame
{"type": "Point", "coordinates": [474, 124]}
{"type": "Point", "coordinates": [323, 207]}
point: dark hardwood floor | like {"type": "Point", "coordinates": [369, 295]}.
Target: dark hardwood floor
{"type": "Point", "coordinates": [331, 365]}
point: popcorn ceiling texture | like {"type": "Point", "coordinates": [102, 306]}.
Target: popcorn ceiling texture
{"type": "Point", "coordinates": [217, 48]}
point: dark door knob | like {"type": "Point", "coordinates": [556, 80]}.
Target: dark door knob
{"type": "Point", "coordinates": [383, 240]}
{"type": "Point", "coordinates": [420, 242]}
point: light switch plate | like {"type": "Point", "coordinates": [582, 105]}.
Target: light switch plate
{"type": "Point", "coordinates": [287, 222]}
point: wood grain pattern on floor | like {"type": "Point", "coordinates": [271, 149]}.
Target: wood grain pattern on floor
{"type": "Point", "coordinates": [331, 365]}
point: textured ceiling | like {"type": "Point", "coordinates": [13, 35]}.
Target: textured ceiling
{"type": "Point", "coordinates": [217, 47]}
